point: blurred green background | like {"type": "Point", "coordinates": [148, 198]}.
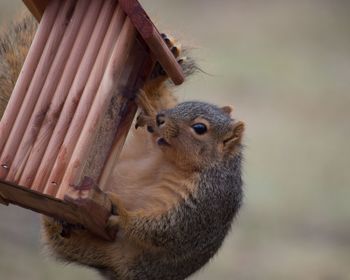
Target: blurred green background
{"type": "Point", "coordinates": [285, 66]}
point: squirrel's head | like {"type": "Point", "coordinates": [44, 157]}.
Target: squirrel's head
{"type": "Point", "coordinates": [197, 134]}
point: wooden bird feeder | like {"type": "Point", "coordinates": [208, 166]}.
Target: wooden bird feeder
{"type": "Point", "coordinates": [73, 105]}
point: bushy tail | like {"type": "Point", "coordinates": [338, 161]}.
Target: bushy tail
{"type": "Point", "coordinates": [15, 40]}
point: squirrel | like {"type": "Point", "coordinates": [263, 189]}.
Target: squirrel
{"type": "Point", "coordinates": [175, 190]}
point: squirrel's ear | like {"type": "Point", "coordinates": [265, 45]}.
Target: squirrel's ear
{"type": "Point", "coordinates": [234, 137]}
{"type": "Point", "coordinates": [228, 110]}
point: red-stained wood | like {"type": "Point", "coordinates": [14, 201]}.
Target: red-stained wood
{"type": "Point", "coordinates": [71, 102]}
{"type": "Point", "coordinates": [60, 94]}
{"type": "Point", "coordinates": [151, 36]}
{"type": "Point", "coordinates": [44, 101]}
{"type": "Point", "coordinates": [85, 103]}
{"type": "Point", "coordinates": [35, 87]}
{"type": "Point", "coordinates": [108, 86]}
{"type": "Point", "coordinates": [28, 69]}
{"type": "Point", "coordinates": [88, 206]}
{"type": "Point", "coordinates": [144, 26]}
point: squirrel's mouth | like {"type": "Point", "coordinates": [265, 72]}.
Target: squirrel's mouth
{"type": "Point", "coordinates": [162, 142]}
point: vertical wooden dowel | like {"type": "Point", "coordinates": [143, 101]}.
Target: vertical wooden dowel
{"type": "Point", "coordinates": [28, 70]}
{"type": "Point", "coordinates": [108, 86]}
{"type": "Point", "coordinates": [73, 97]}
{"type": "Point", "coordinates": [59, 96]}
{"type": "Point", "coordinates": [85, 102]}
{"type": "Point", "coordinates": [44, 100]}
{"type": "Point", "coordinates": [35, 87]}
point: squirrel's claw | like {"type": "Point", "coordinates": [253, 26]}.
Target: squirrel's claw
{"type": "Point", "coordinates": [142, 121]}
{"type": "Point", "coordinates": [148, 113]}
{"type": "Point", "coordinates": [113, 222]}
{"type": "Point", "coordinates": [118, 212]}
{"type": "Point", "coordinates": [114, 219]}
{"type": "Point", "coordinates": [176, 50]}
{"type": "Point", "coordinates": [143, 102]}
{"type": "Point", "coordinates": [65, 228]}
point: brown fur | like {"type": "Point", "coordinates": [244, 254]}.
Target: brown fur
{"type": "Point", "coordinates": [144, 184]}
{"type": "Point", "coordinates": [174, 202]}
{"type": "Point", "coordinates": [15, 40]}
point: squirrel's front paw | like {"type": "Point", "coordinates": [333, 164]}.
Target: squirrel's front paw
{"type": "Point", "coordinates": [113, 222]}
{"type": "Point", "coordinates": [142, 120]}
{"type": "Point", "coordinates": [147, 114]}
{"type": "Point", "coordinates": [118, 214]}
{"type": "Point", "coordinates": [175, 48]}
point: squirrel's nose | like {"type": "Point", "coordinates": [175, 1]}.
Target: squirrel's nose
{"type": "Point", "coordinates": [160, 118]}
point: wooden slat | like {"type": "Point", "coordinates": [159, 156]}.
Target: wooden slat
{"type": "Point", "coordinates": [61, 93]}
{"type": "Point", "coordinates": [107, 87]}
{"type": "Point", "coordinates": [85, 102]}
{"type": "Point", "coordinates": [27, 71]}
{"type": "Point", "coordinates": [36, 85]}
{"type": "Point", "coordinates": [88, 206]}
{"type": "Point", "coordinates": [72, 99]}
{"type": "Point", "coordinates": [47, 92]}
{"type": "Point", "coordinates": [153, 39]}
{"type": "Point", "coordinates": [147, 30]}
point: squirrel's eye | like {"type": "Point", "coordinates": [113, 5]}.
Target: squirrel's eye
{"type": "Point", "coordinates": [199, 128]}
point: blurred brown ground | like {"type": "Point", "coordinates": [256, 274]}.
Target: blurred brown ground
{"type": "Point", "coordinates": [285, 66]}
